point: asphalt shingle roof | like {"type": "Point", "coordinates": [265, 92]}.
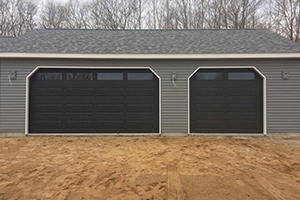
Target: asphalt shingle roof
{"type": "Point", "coordinates": [149, 42]}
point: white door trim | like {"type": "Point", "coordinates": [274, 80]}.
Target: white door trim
{"type": "Point", "coordinates": [232, 67]}
{"type": "Point", "coordinates": [85, 67]}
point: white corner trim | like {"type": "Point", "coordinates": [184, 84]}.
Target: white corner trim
{"type": "Point", "coordinates": [232, 67]}
{"type": "Point", "coordinates": [150, 56]}
{"type": "Point", "coordinates": [86, 67]}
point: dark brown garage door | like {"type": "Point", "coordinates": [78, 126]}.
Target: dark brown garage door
{"type": "Point", "coordinates": [226, 101]}
{"type": "Point", "coordinates": [93, 101]}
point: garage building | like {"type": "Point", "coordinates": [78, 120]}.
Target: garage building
{"type": "Point", "coordinates": [140, 82]}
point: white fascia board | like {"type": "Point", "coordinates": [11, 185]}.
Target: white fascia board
{"type": "Point", "coordinates": [148, 56]}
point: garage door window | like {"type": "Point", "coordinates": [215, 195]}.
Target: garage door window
{"type": "Point", "coordinates": [139, 76]}
{"type": "Point", "coordinates": [241, 76]}
{"type": "Point", "coordinates": [79, 76]}
{"type": "Point", "coordinates": [110, 76]}
{"type": "Point", "coordinates": [46, 76]}
{"type": "Point", "coordinates": [209, 76]}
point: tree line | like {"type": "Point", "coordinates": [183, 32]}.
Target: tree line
{"type": "Point", "coordinates": [280, 16]}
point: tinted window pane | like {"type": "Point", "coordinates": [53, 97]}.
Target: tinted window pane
{"type": "Point", "coordinates": [139, 76]}
{"type": "Point", "coordinates": [49, 76]}
{"type": "Point", "coordinates": [241, 76]}
{"type": "Point", "coordinates": [79, 76]}
{"type": "Point", "coordinates": [110, 76]}
{"type": "Point", "coordinates": [209, 76]}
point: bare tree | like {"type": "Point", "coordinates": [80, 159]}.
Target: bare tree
{"type": "Point", "coordinates": [238, 14]}
{"type": "Point", "coordinates": [77, 14]}
{"type": "Point", "coordinates": [217, 15]}
{"type": "Point", "coordinates": [286, 18]}
{"type": "Point", "coordinates": [16, 16]}
{"type": "Point", "coordinates": [183, 13]}
{"type": "Point", "coordinates": [151, 13]}
{"type": "Point", "coordinates": [4, 18]}
{"type": "Point", "coordinates": [198, 14]}
{"type": "Point", "coordinates": [139, 13]}
{"type": "Point", "coordinates": [112, 14]}
{"type": "Point", "coordinates": [54, 15]}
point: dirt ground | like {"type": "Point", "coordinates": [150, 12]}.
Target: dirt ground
{"type": "Point", "coordinates": [190, 168]}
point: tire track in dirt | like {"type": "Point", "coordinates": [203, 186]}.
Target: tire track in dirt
{"type": "Point", "coordinates": [174, 190]}
{"type": "Point", "coordinates": [269, 187]}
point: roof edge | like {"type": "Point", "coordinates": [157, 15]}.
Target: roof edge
{"type": "Point", "coordinates": [150, 56]}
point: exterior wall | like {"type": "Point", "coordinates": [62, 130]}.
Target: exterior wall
{"type": "Point", "coordinates": [283, 96]}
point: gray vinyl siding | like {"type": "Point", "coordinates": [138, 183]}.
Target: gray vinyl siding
{"type": "Point", "coordinates": [283, 96]}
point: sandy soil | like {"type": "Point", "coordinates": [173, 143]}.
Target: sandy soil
{"type": "Point", "coordinates": [132, 168]}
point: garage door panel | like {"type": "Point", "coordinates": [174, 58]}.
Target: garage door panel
{"type": "Point", "coordinates": [136, 128]}
{"type": "Point", "coordinates": [110, 84]}
{"type": "Point", "coordinates": [109, 108]}
{"type": "Point", "coordinates": [207, 84]}
{"type": "Point", "coordinates": [140, 124]}
{"type": "Point", "coordinates": [78, 99]}
{"type": "Point", "coordinates": [210, 115]}
{"type": "Point", "coordinates": [209, 107]}
{"type": "Point", "coordinates": [241, 108]}
{"type": "Point", "coordinates": [242, 130]}
{"type": "Point", "coordinates": [54, 130]}
{"type": "Point", "coordinates": [79, 92]}
{"type": "Point", "coordinates": [48, 84]}
{"type": "Point", "coordinates": [141, 84]}
{"type": "Point", "coordinates": [48, 100]}
{"type": "Point", "coordinates": [48, 91]}
{"type": "Point", "coordinates": [241, 91]}
{"type": "Point", "coordinates": [49, 116]}
{"type": "Point", "coordinates": [241, 99]}
{"type": "Point", "coordinates": [241, 84]}
{"type": "Point", "coordinates": [109, 92]}
{"type": "Point", "coordinates": [49, 125]}
{"type": "Point", "coordinates": [63, 116]}
{"type": "Point", "coordinates": [140, 108]}
{"type": "Point", "coordinates": [140, 92]}
{"type": "Point", "coordinates": [46, 108]}
{"type": "Point", "coordinates": [210, 91]}
{"type": "Point", "coordinates": [75, 84]}
{"type": "Point", "coordinates": [106, 125]}
{"type": "Point", "coordinates": [242, 116]}
{"type": "Point", "coordinates": [209, 130]}
{"type": "Point", "coordinates": [139, 116]}
{"type": "Point", "coordinates": [139, 100]}
{"type": "Point", "coordinates": [140, 130]}
{"type": "Point", "coordinates": [208, 99]}
{"type": "Point", "coordinates": [110, 100]}
{"type": "Point", "coordinates": [239, 124]}
{"type": "Point", "coordinates": [79, 108]}
{"type": "Point", "coordinates": [77, 117]}
{"type": "Point", "coordinates": [110, 116]}
{"type": "Point", "coordinates": [205, 123]}
{"type": "Point", "coordinates": [79, 125]}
